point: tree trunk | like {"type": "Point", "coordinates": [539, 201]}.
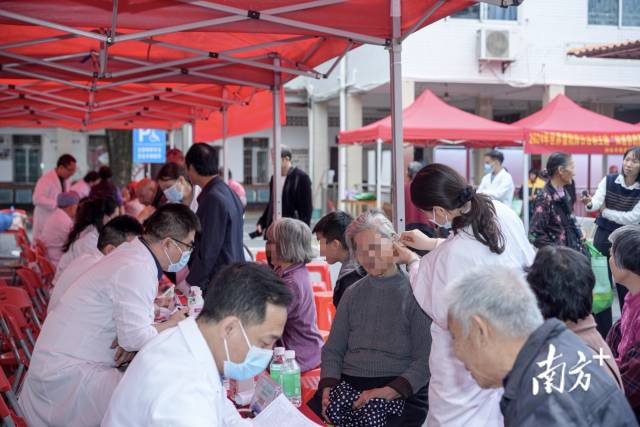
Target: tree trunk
{"type": "Point", "coordinates": [120, 147]}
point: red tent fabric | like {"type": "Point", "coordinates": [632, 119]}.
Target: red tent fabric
{"type": "Point", "coordinates": [241, 119]}
{"type": "Point", "coordinates": [92, 49]}
{"type": "Point", "coordinates": [563, 125]}
{"type": "Point", "coordinates": [429, 120]}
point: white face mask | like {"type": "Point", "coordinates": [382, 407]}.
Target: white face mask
{"type": "Point", "coordinates": [256, 361]}
{"type": "Point", "coordinates": [174, 267]}
{"type": "Point", "coordinates": [173, 194]}
{"type": "Point", "coordinates": [446, 225]}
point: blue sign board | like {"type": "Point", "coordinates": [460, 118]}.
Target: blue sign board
{"type": "Point", "coordinates": [149, 146]}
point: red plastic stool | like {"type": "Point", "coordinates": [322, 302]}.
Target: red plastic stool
{"type": "Point", "coordinates": [325, 310]}
{"type": "Point", "coordinates": [321, 268]}
{"type": "Point", "coordinates": [261, 256]}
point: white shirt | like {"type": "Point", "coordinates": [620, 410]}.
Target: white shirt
{"type": "Point", "coordinates": [82, 188]}
{"type": "Point", "coordinates": [194, 202]}
{"type": "Point", "coordinates": [72, 373]}
{"type": "Point", "coordinates": [73, 271]}
{"type": "Point", "coordinates": [619, 217]}
{"type": "Point", "coordinates": [55, 233]}
{"type": "Point", "coordinates": [455, 399]}
{"type": "Point", "coordinates": [173, 382]}
{"type": "Point", "coordinates": [45, 196]}
{"type": "Point", "coordinates": [500, 188]}
{"type": "Point", "coordinates": [86, 243]}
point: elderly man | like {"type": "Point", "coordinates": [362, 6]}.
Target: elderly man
{"type": "Point", "coordinates": [550, 376]}
{"type": "Point", "coordinates": [150, 196]}
{"type": "Point", "coordinates": [101, 321]}
{"type": "Point", "coordinates": [47, 188]}
{"type": "Point", "coordinates": [57, 226]}
{"type": "Point", "coordinates": [624, 337]}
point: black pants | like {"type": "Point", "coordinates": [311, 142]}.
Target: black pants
{"type": "Point", "coordinates": [415, 408]}
{"type": "Point", "coordinates": [604, 318]}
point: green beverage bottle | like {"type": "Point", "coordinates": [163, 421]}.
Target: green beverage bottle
{"type": "Point", "coordinates": [291, 379]}
{"type": "Point", "coordinates": [277, 363]}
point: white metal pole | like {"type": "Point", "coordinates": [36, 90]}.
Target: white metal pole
{"type": "Point", "coordinates": [342, 149]}
{"type": "Point", "coordinates": [525, 190]}
{"type": "Point", "coordinates": [395, 62]}
{"type": "Point", "coordinates": [312, 141]}
{"type": "Point", "coordinates": [172, 139]}
{"type": "Point", "coordinates": [379, 173]}
{"type": "Point", "coordinates": [225, 145]}
{"type": "Point", "coordinates": [277, 140]}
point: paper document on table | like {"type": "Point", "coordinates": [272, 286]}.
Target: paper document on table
{"type": "Point", "coordinates": [281, 412]}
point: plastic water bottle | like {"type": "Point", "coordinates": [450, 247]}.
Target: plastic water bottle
{"type": "Point", "coordinates": [196, 302]}
{"type": "Point", "coordinates": [291, 379]}
{"type": "Point", "coordinates": [275, 369]}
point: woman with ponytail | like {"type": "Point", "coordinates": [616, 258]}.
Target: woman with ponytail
{"type": "Point", "coordinates": [482, 232]}
{"type": "Point", "coordinates": [92, 214]}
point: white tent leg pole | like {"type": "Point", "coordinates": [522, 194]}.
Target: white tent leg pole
{"type": "Point", "coordinates": [525, 191]}
{"type": "Point", "coordinates": [277, 141]}
{"type": "Point", "coordinates": [395, 62]}
{"type": "Point", "coordinates": [342, 149]}
{"type": "Point", "coordinates": [379, 173]}
{"type": "Point", "coordinates": [225, 145]}
{"type": "Point", "coordinates": [172, 139]}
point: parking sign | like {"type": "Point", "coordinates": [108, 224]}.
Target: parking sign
{"type": "Point", "coordinates": [149, 146]}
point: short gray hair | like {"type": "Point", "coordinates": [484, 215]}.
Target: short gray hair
{"type": "Point", "coordinates": [498, 294]}
{"type": "Point", "coordinates": [413, 169]}
{"type": "Point", "coordinates": [372, 219]}
{"type": "Point", "coordinates": [625, 248]}
{"type": "Point", "coordinates": [293, 240]}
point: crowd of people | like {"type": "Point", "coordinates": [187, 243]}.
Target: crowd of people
{"type": "Point", "coordinates": [462, 320]}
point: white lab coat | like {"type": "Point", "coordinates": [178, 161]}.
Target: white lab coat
{"type": "Point", "coordinates": [86, 243]}
{"type": "Point", "coordinates": [173, 382]}
{"type": "Point", "coordinates": [455, 399]}
{"type": "Point", "coordinates": [55, 233]}
{"type": "Point", "coordinates": [73, 271]}
{"type": "Point", "coordinates": [45, 199]}
{"type": "Point", "coordinates": [72, 373]}
{"type": "Point", "coordinates": [501, 188]}
{"type": "Point", "coordinates": [82, 188]}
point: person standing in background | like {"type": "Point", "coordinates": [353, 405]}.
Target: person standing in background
{"type": "Point", "coordinates": [497, 183]}
{"type": "Point", "coordinates": [105, 187]}
{"type": "Point", "coordinates": [220, 212]}
{"type": "Point", "coordinates": [83, 187]}
{"type": "Point", "coordinates": [296, 194]}
{"type": "Point", "coordinates": [415, 218]}
{"type": "Point", "coordinates": [47, 189]}
{"type": "Point", "coordinates": [58, 225]}
{"type": "Point", "coordinates": [236, 187]}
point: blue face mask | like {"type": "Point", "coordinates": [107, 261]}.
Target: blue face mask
{"type": "Point", "coordinates": [446, 225]}
{"type": "Point", "coordinates": [174, 267]}
{"type": "Point", "coordinates": [487, 168]}
{"type": "Point", "coordinates": [256, 361]}
{"type": "Point", "coordinates": [174, 195]}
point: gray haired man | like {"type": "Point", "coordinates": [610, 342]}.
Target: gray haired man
{"type": "Point", "coordinates": [549, 376]}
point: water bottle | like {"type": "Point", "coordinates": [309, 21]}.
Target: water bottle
{"type": "Point", "coordinates": [291, 379]}
{"type": "Point", "coordinates": [275, 369]}
{"type": "Point", "coordinates": [196, 302]}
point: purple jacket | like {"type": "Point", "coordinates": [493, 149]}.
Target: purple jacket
{"type": "Point", "coordinates": [301, 330]}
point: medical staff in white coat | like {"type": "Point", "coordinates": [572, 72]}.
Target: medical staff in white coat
{"type": "Point", "coordinates": [176, 380]}
{"type": "Point", "coordinates": [103, 318]}
{"type": "Point", "coordinates": [58, 225]}
{"type": "Point", "coordinates": [121, 229]}
{"type": "Point", "coordinates": [47, 189]}
{"type": "Point", "coordinates": [482, 232]}
{"type": "Point", "coordinates": [92, 214]}
{"type": "Point", "coordinates": [497, 183]}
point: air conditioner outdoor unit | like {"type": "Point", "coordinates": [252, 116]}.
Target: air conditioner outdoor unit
{"type": "Point", "coordinates": [495, 45]}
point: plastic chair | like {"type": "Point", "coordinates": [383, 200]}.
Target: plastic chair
{"type": "Point", "coordinates": [15, 357]}
{"type": "Point", "coordinates": [16, 324]}
{"type": "Point", "coordinates": [319, 287]}
{"type": "Point", "coordinates": [321, 268]}
{"type": "Point", "coordinates": [47, 270]}
{"type": "Point", "coordinates": [309, 384]}
{"type": "Point", "coordinates": [261, 256]}
{"type": "Point", "coordinates": [20, 298]}
{"type": "Point", "coordinates": [40, 249]}
{"type": "Point", "coordinates": [10, 417]}
{"type": "Point", "coordinates": [33, 285]}
{"type": "Point", "coordinates": [325, 311]}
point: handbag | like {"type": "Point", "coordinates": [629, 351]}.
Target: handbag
{"type": "Point", "coordinates": [602, 291]}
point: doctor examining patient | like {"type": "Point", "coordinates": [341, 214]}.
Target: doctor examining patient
{"type": "Point", "coordinates": [410, 343]}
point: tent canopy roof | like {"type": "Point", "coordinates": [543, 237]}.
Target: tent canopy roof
{"type": "Point", "coordinates": [429, 119]}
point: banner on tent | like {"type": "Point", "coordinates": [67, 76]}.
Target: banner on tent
{"type": "Point", "coordinates": [547, 142]}
{"type": "Point", "coordinates": [149, 146]}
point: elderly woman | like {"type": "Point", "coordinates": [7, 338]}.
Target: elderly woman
{"type": "Point", "coordinates": [289, 245]}
{"type": "Point", "coordinates": [502, 339]}
{"type": "Point", "coordinates": [624, 337]}
{"type": "Point", "coordinates": [563, 282]}
{"type": "Point", "coordinates": [379, 342]}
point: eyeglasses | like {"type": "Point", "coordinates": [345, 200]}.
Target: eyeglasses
{"type": "Point", "coordinates": [187, 245]}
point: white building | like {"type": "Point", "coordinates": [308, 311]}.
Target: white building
{"type": "Point", "coordinates": [499, 63]}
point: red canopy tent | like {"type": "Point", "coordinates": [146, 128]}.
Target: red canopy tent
{"type": "Point", "coordinates": [239, 45]}
{"type": "Point", "coordinates": [431, 121]}
{"type": "Point", "coordinates": [563, 125]}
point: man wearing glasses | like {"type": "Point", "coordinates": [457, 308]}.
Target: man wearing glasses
{"type": "Point", "coordinates": [47, 188]}
{"type": "Point", "coordinates": [220, 212]}
{"type": "Point", "coordinates": [101, 321]}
